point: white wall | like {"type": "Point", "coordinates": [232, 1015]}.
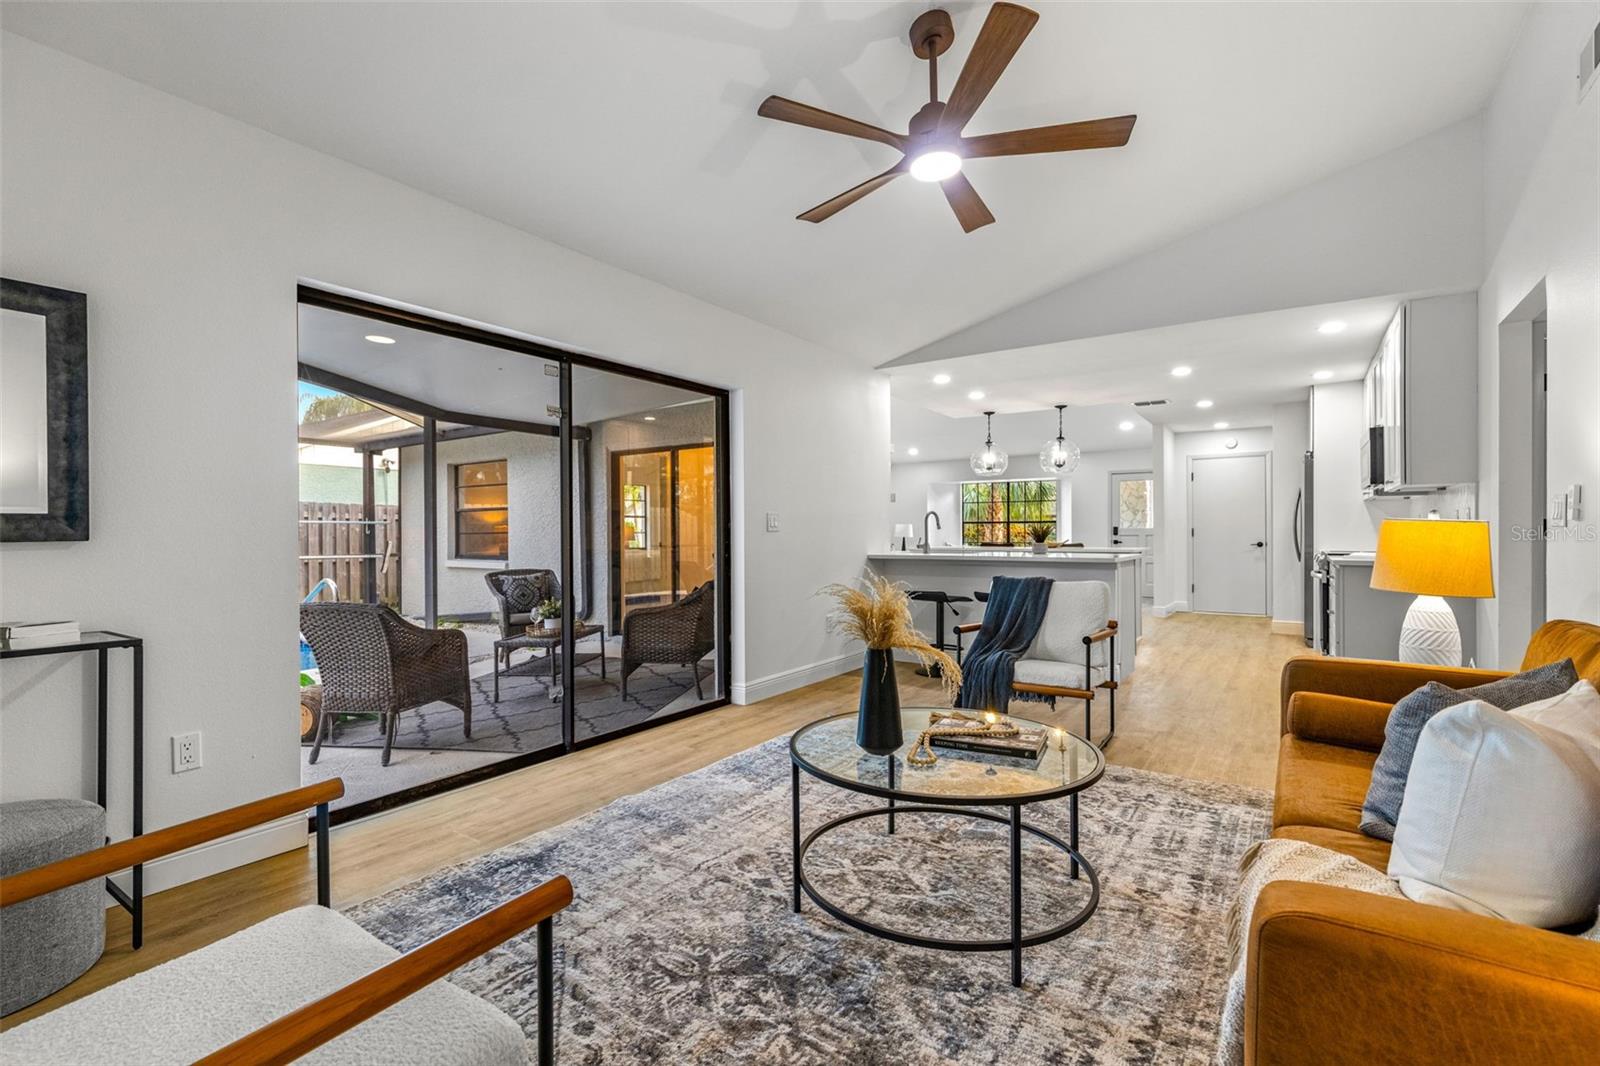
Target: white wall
{"type": "Point", "coordinates": [1291, 436]}
{"type": "Point", "coordinates": [1091, 491]}
{"type": "Point", "coordinates": [1542, 166]}
{"type": "Point", "coordinates": [189, 231]}
{"type": "Point", "coordinates": [1083, 497]}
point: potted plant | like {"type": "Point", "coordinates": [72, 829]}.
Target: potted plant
{"type": "Point", "coordinates": [549, 612]}
{"type": "Point", "coordinates": [1040, 534]}
{"type": "Point", "coordinates": [877, 612]}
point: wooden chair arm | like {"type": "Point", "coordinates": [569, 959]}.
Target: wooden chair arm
{"type": "Point", "coordinates": [1102, 634]}
{"type": "Point", "coordinates": [969, 627]}
{"type": "Point", "coordinates": [316, 1023]}
{"type": "Point", "coordinates": [102, 862]}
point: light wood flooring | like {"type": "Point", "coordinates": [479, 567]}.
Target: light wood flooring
{"type": "Point", "coordinates": [1203, 703]}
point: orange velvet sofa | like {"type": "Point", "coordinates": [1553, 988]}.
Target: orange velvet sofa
{"type": "Point", "coordinates": [1337, 976]}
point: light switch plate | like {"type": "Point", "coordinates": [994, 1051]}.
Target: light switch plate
{"type": "Point", "coordinates": [1558, 512]}
{"type": "Point", "coordinates": [772, 521]}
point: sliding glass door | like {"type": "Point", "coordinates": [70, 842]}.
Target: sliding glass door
{"type": "Point", "coordinates": [566, 516]}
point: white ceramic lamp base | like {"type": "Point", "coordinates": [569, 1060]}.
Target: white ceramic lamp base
{"type": "Point", "coordinates": [1429, 634]}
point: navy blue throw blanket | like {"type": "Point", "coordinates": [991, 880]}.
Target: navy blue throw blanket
{"type": "Point", "coordinates": [1016, 610]}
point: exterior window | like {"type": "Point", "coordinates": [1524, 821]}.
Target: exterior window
{"type": "Point", "coordinates": [635, 516]}
{"type": "Point", "coordinates": [1134, 505]}
{"type": "Point", "coordinates": [482, 531]}
{"type": "Point", "coordinates": [1000, 512]}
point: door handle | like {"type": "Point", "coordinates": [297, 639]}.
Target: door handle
{"type": "Point", "coordinates": [1259, 544]}
{"type": "Point", "coordinates": [1115, 541]}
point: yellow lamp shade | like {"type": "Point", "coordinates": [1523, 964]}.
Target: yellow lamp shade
{"type": "Point", "coordinates": [1434, 557]}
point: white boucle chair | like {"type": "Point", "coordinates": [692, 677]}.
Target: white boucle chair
{"type": "Point", "coordinates": [306, 985]}
{"type": "Point", "coordinates": [1075, 652]}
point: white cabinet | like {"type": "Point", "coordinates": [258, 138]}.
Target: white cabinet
{"type": "Point", "coordinates": [1421, 399]}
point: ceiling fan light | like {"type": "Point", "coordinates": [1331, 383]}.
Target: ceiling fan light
{"type": "Point", "coordinates": [936, 165]}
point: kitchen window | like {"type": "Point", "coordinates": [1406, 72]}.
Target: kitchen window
{"type": "Point", "coordinates": [482, 529]}
{"type": "Point", "coordinates": [1000, 512]}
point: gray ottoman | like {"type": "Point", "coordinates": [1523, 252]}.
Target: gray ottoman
{"type": "Point", "coordinates": [47, 942]}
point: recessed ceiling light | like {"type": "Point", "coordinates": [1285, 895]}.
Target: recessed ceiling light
{"type": "Point", "coordinates": [1182, 371]}
{"type": "Point", "coordinates": [1219, 425]}
{"type": "Point", "coordinates": [1124, 426]}
{"type": "Point", "coordinates": [649, 418]}
{"type": "Point", "coordinates": [1202, 404]}
{"type": "Point", "coordinates": [975, 394]}
{"type": "Point", "coordinates": [1322, 375]}
{"type": "Point", "coordinates": [911, 451]}
{"type": "Point", "coordinates": [1330, 327]}
{"type": "Point", "coordinates": [378, 338]}
{"type": "Point", "coordinates": [941, 379]}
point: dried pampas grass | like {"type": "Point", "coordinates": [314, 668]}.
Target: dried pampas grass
{"type": "Point", "coordinates": [877, 612]}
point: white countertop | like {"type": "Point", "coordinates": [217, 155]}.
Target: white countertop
{"type": "Point", "coordinates": [1009, 558]}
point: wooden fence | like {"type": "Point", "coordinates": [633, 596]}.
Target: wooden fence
{"type": "Point", "coordinates": [330, 547]}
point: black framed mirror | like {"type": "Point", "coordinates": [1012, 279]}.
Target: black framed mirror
{"type": "Point", "coordinates": [44, 424]}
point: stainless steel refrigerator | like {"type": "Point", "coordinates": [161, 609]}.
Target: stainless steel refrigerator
{"type": "Point", "coordinates": [1304, 548]}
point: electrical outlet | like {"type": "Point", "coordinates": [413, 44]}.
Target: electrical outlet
{"type": "Point", "coordinates": [185, 752]}
{"type": "Point", "coordinates": [772, 521]}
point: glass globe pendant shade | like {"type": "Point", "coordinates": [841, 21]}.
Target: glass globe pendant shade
{"type": "Point", "coordinates": [1060, 456]}
{"type": "Point", "coordinates": [989, 461]}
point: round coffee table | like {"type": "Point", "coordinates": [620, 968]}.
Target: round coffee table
{"type": "Point", "coordinates": [958, 784]}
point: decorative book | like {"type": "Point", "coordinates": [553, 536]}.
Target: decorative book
{"type": "Point", "coordinates": [1017, 744]}
{"type": "Point", "coordinates": [30, 633]}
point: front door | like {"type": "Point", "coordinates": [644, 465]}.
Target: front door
{"type": "Point", "coordinates": [1228, 520]}
{"type": "Point", "coordinates": [1133, 520]}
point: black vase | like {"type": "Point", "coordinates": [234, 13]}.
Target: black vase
{"type": "Point", "coordinates": [878, 718]}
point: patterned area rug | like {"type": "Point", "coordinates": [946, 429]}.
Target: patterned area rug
{"type": "Point", "coordinates": [681, 945]}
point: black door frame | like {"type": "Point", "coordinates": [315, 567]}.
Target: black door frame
{"type": "Point", "coordinates": [614, 506]}
{"type": "Point", "coordinates": [568, 433]}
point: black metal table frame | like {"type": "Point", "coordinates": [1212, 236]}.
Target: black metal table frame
{"type": "Point", "coordinates": [133, 903]}
{"type": "Point", "coordinates": [552, 652]}
{"type": "Point", "coordinates": [964, 807]}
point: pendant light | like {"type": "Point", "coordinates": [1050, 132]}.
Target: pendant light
{"type": "Point", "coordinates": [1059, 456]}
{"type": "Point", "coordinates": [991, 462]}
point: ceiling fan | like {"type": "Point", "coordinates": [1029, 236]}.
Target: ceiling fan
{"type": "Point", "coordinates": [934, 148]}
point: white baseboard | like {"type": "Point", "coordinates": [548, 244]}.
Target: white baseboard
{"type": "Point", "coordinates": [265, 841]}
{"type": "Point", "coordinates": [763, 688]}
{"type": "Point", "coordinates": [1175, 607]}
{"type": "Point", "coordinates": [1293, 627]}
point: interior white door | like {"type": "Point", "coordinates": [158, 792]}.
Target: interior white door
{"type": "Point", "coordinates": [1228, 519]}
{"type": "Point", "coordinates": [1133, 519]}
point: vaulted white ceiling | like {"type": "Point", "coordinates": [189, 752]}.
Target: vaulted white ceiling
{"type": "Point", "coordinates": [628, 131]}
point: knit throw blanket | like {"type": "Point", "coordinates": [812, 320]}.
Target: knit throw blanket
{"type": "Point", "coordinates": [1016, 610]}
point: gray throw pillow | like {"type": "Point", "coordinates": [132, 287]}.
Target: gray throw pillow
{"type": "Point", "coordinates": [1382, 807]}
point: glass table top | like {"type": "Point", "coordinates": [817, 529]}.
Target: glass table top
{"type": "Point", "coordinates": [827, 749]}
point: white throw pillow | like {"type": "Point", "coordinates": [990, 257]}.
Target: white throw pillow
{"type": "Point", "coordinates": [1501, 814]}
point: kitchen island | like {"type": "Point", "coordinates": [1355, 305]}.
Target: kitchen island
{"type": "Point", "coordinates": [963, 571]}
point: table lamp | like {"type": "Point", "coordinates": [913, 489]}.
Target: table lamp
{"type": "Point", "coordinates": [1433, 558]}
{"type": "Point", "coordinates": [904, 530]}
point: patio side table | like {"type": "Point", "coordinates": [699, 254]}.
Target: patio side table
{"type": "Point", "coordinates": [102, 642]}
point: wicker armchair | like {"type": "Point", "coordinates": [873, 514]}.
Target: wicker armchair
{"type": "Point", "coordinates": [374, 661]}
{"type": "Point", "coordinates": [516, 593]}
{"type": "Point", "coordinates": [678, 634]}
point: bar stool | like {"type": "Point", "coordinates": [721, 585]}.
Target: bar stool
{"type": "Point", "coordinates": [940, 599]}
{"type": "Point", "coordinates": [981, 597]}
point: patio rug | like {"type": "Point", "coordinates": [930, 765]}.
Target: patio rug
{"type": "Point", "coordinates": [526, 718]}
{"type": "Point", "coordinates": [681, 945]}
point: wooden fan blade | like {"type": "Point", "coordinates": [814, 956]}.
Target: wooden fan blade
{"type": "Point", "coordinates": [805, 115]}
{"type": "Point", "coordinates": [1003, 33]}
{"type": "Point", "coordinates": [828, 208]}
{"type": "Point", "coordinates": [968, 205]}
{"type": "Point", "coordinates": [1067, 137]}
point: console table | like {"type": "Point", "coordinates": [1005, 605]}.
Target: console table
{"type": "Point", "coordinates": [101, 642]}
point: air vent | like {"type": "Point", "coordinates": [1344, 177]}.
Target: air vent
{"type": "Point", "coordinates": [1149, 403]}
{"type": "Point", "coordinates": [1587, 60]}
